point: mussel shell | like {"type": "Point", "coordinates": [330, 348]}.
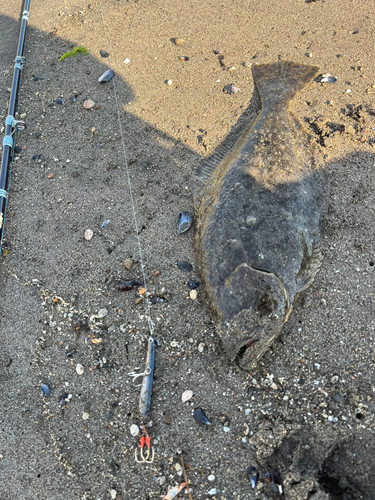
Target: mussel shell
{"type": "Point", "coordinates": [63, 398]}
{"type": "Point", "coordinates": [253, 476]}
{"type": "Point", "coordinates": [185, 267]}
{"type": "Point", "coordinates": [328, 79]}
{"type": "Point", "coordinates": [193, 285]}
{"type": "Point", "coordinates": [185, 221]}
{"type": "Point", "coordinates": [46, 390]}
{"type": "Point", "coordinates": [106, 76]}
{"type": "Point", "coordinates": [200, 417]}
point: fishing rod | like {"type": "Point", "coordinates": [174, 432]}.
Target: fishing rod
{"type": "Point", "coordinates": [12, 124]}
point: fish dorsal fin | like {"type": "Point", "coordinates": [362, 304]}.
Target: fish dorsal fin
{"type": "Point", "coordinates": [210, 163]}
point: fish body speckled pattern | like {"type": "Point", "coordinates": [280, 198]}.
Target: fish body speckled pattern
{"type": "Point", "coordinates": [259, 202]}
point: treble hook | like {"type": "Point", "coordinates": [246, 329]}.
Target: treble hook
{"type": "Point", "coordinates": [145, 440]}
{"type": "Point", "coordinates": [135, 374]}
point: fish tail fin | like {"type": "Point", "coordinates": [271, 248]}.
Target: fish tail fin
{"type": "Point", "coordinates": [279, 82]}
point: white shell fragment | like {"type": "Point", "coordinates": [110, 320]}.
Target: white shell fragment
{"type": "Point", "coordinates": [193, 294]}
{"type": "Point", "coordinates": [79, 369]}
{"type": "Point", "coordinates": [113, 494]}
{"type": "Point", "coordinates": [328, 79]}
{"type": "Point", "coordinates": [334, 379]}
{"type": "Point", "coordinates": [126, 61]}
{"type": "Point", "coordinates": [85, 416]}
{"type": "Point", "coordinates": [89, 234]}
{"type": "Point", "coordinates": [186, 396]}
{"type": "Point", "coordinates": [102, 313]}
{"type": "Point", "coordinates": [134, 430]}
{"type": "Point", "coordinates": [201, 347]}
{"type": "Point", "coordinates": [211, 477]}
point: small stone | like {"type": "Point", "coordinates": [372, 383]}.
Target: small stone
{"type": "Point", "coordinates": [102, 313]}
{"type": "Point", "coordinates": [103, 53]}
{"type": "Point", "coordinates": [247, 64]}
{"type": "Point", "coordinates": [232, 68]}
{"type": "Point", "coordinates": [85, 416]}
{"type": "Point", "coordinates": [201, 346]}
{"type": "Point", "coordinates": [113, 494]}
{"type": "Point", "coordinates": [177, 466]}
{"type": "Point", "coordinates": [309, 54]}
{"type": "Point", "coordinates": [89, 234]}
{"type": "Point", "coordinates": [161, 480]}
{"type": "Point", "coordinates": [211, 477]}
{"type": "Point", "coordinates": [167, 417]}
{"type": "Point", "coordinates": [193, 294]}
{"type": "Point", "coordinates": [22, 116]}
{"type": "Point", "coordinates": [226, 429]}
{"type": "Point", "coordinates": [186, 396]}
{"type": "Point", "coordinates": [179, 41]}
{"type": "Point", "coordinates": [88, 104]}
{"type": "Point", "coordinates": [169, 82]}
{"type": "Point", "coordinates": [212, 492]}
{"type": "Point", "coordinates": [50, 176]}
{"type": "Point", "coordinates": [79, 369]}
{"type": "Point", "coordinates": [155, 273]}
{"type": "Point", "coordinates": [128, 263]}
{"type": "Point", "coordinates": [347, 91]}
{"type": "Point", "coordinates": [334, 379]}
{"type": "Point", "coordinates": [134, 430]}
{"type": "Point", "coordinates": [273, 386]}
{"type": "Point", "coordinates": [343, 483]}
{"type": "Point", "coordinates": [126, 61]}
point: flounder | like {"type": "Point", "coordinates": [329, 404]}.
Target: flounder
{"type": "Point", "coordinates": [259, 202]}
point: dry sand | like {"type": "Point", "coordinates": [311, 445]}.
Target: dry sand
{"type": "Point", "coordinates": [308, 409]}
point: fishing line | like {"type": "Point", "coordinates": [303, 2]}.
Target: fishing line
{"type": "Point", "coordinates": [150, 322]}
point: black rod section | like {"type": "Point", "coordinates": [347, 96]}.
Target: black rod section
{"type": "Point", "coordinates": [11, 123]}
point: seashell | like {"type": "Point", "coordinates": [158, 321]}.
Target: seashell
{"type": "Point", "coordinates": [253, 476]}
{"type": "Point", "coordinates": [79, 369]}
{"type": "Point", "coordinates": [134, 430]}
{"type": "Point", "coordinates": [185, 267]}
{"type": "Point", "coordinates": [105, 223]}
{"type": "Point", "coordinates": [183, 58]}
{"type": "Point", "coordinates": [46, 390]}
{"type": "Point", "coordinates": [106, 76]}
{"type": "Point", "coordinates": [63, 397]}
{"type": "Point", "coordinates": [89, 234]}
{"type": "Point", "coordinates": [59, 101]}
{"type": "Point", "coordinates": [200, 417]}
{"type": "Point", "coordinates": [193, 284]}
{"type": "Point", "coordinates": [184, 222]}
{"type": "Point", "coordinates": [186, 396]}
{"type": "Point", "coordinates": [328, 79]}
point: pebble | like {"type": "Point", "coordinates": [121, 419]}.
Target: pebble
{"type": "Point", "coordinates": [212, 492]}
{"type": "Point", "coordinates": [186, 396]}
{"type": "Point", "coordinates": [273, 386]}
{"type": "Point", "coordinates": [102, 313]}
{"type": "Point", "coordinates": [177, 466]}
{"type": "Point", "coordinates": [113, 494]}
{"type": "Point", "coordinates": [169, 82]}
{"type": "Point", "coordinates": [126, 61]}
{"type": "Point", "coordinates": [89, 234]}
{"type": "Point", "coordinates": [161, 480]}
{"type": "Point", "coordinates": [193, 294]}
{"type": "Point", "coordinates": [347, 91]}
{"type": "Point", "coordinates": [85, 416]}
{"type": "Point", "coordinates": [128, 263]}
{"type": "Point", "coordinates": [334, 379]}
{"type": "Point", "coordinates": [134, 430]}
{"type": "Point", "coordinates": [232, 68]}
{"type": "Point", "coordinates": [226, 429]}
{"type": "Point", "coordinates": [167, 417]}
{"type": "Point", "coordinates": [211, 477]}
{"type": "Point", "coordinates": [79, 369]}
{"type": "Point", "coordinates": [201, 347]}
{"type": "Point", "coordinates": [88, 104]}
{"type": "Point", "coordinates": [103, 53]}
{"type": "Point", "coordinates": [179, 41]}
{"type": "Point", "coordinates": [247, 64]}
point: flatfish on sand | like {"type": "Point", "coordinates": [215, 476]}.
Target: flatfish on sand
{"type": "Point", "coordinates": [259, 202]}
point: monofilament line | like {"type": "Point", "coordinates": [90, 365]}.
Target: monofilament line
{"type": "Point", "coordinates": [150, 323]}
